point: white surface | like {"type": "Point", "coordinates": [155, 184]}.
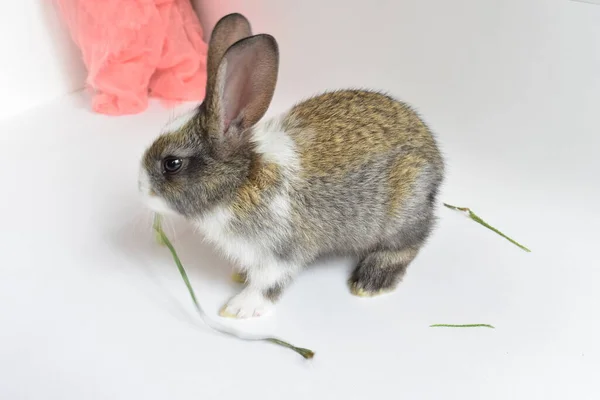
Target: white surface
{"type": "Point", "coordinates": [477, 53]}
{"type": "Point", "coordinates": [90, 308]}
{"type": "Point", "coordinates": [39, 60]}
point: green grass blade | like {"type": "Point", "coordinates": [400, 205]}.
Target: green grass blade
{"type": "Point", "coordinates": [162, 238]}
{"type": "Point", "coordinates": [480, 221]}
{"type": "Point", "coordinates": [461, 326]}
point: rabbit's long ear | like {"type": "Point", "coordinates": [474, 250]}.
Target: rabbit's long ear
{"type": "Point", "coordinates": [244, 84]}
{"type": "Point", "coordinates": [230, 29]}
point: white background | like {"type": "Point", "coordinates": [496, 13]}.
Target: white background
{"type": "Point", "coordinates": [91, 309]}
{"type": "Point", "coordinates": [39, 61]}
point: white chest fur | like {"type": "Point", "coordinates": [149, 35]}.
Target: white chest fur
{"type": "Point", "coordinates": [245, 252]}
{"type": "Point", "coordinates": [275, 146]}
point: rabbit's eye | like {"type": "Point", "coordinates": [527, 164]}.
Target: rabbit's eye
{"type": "Point", "coordinates": [171, 165]}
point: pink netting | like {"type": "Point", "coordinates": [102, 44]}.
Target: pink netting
{"type": "Point", "coordinates": [136, 48]}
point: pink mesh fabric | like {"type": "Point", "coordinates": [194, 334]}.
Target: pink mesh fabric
{"type": "Point", "coordinates": [133, 49]}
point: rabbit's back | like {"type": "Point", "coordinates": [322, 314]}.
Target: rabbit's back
{"type": "Point", "coordinates": [366, 167]}
{"type": "Point", "coordinates": [338, 131]}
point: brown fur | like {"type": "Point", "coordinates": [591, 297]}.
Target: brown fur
{"type": "Point", "coordinates": [402, 177]}
{"type": "Point", "coordinates": [261, 176]}
{"type": "Point", "coordinates": [338, 131]}
{"type": "Point", "coordinates": [161, 146]}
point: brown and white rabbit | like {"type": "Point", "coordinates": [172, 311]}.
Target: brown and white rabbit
{"type": "Point", "coordinates": [347, 172]}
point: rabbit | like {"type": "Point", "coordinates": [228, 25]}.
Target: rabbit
{"type": "Point", "coordinates": [347, 172]}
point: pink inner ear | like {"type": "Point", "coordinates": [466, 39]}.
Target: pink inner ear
{"type": "Point", "coordinates": [237, 93]}
{"type": "Point", "coordinates": [246, 82]}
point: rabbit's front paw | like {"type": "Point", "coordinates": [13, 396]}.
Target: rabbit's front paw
{"type": "Point", "coordinates": [247, 304]}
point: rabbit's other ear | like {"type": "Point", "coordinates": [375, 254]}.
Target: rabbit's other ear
{"type": "Point", "coordinates": [228, 30]}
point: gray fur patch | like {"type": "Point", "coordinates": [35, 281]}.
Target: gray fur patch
{"type": "Point", "coordinates": [273, 293]}
{"type": "Point", "coordinates": [381, 270]}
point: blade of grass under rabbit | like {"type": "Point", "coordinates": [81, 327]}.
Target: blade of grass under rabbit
{"type": "Point", "coordinates": [163, 239]}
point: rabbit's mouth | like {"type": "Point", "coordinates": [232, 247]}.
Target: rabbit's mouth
{"type": "Point", "coordinates": [151, 199]}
